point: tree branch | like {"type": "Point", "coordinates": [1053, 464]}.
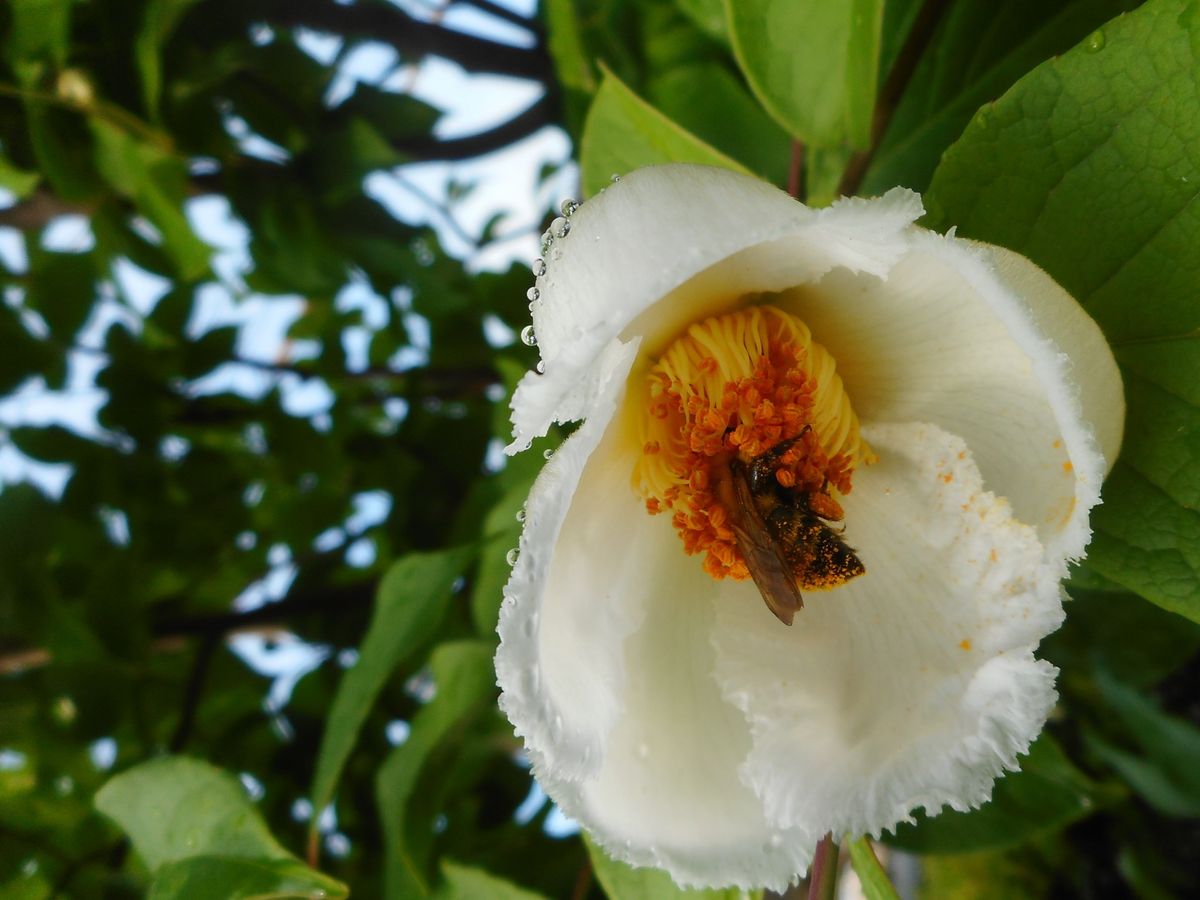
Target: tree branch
{"type": "Point", "coordinates": [38, 209]}
{"type": "Point", "coordinates": [537, 116]}
{"type": "Point", "coordinates": [414, 39]}
{"type": "Point", "coordinates": [893, 89]}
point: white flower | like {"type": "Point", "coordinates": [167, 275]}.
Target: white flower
{"type": "Point", "coordinates": [668, 710]}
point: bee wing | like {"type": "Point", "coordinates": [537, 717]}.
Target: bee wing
{"type": "Point", "coordinates": [764, 557]}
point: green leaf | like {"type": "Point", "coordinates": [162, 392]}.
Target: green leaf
{"type": "Point", "coordinates": [465, 685]}
{"type": "Point", "coordinates": [502, 531]}
{"type": "Point", "coordinates": [232, 878]}
{"type": "Point", "coordinates": [978, 52]}
{"type": "Point", "coordinates": [157, 181]}
{"type": "Point", "coordinates": [709, 102]}
{"type": "Point", "coordinates": [623, 132]}
{"type": "Point", "coordinates": [409, 606]}
{"type": "Point", "coordinates": [1046, 794]}
{"type": "Point", "coordinates": [1168, 776]}
{"type": "Point", "coordinates": [177, 808]}
{"type": "Point", "coordinates": [709, 15]}
{"type": "Point", "coordinates": [158, 24]}
{"type": "Point", "coordinates": [39, 29]}
{"type": "Point", "coordinates": [1090, 166]}
{"type": "Point", "coordinates": [1120, 633]}
{"type": "Point", "coordinates": [465, 883]}
{"type": "Point", "coordinates": [17, 180]}
{"type": "Point", "coordinates": [813, 64]}
{"type": "Point", "coordinates": [875, 883]}
{"type": "Point", "coordinates": [624, 882]}
{"type": "Point", "coordinates": [62, 289]}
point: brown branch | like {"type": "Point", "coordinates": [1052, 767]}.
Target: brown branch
{"type": "Point", "coordinates": [893, 89]}
{"type": "Point", "coordinates": [537, 116]}
{"type": "Point", "coordinates": [38, 209]}
{"type": "Point", "coordinates": [193, 691]}
{"type": "Point", "coordinates": [414, 39]}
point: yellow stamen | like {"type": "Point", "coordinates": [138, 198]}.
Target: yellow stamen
{"type": "Point", "coordinates": [739, 384]}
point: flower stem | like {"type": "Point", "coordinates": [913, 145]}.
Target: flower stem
{"type": "Point", "coordinates": [795, 185]}
{"type": "Point", "coordinates": [822, 880]}
{"type": "Point", "coordinates": [873, 876]}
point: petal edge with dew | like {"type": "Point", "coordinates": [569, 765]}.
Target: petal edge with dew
{"type": "Point", "coordinates": [720, 345]}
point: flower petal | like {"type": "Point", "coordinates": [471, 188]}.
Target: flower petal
{"type": "Point", "coordinates": [559, 664]}
{"type": "Point", "coordinates": [688, 241]}
{"type": "Point", "coordinates": [914, 684]}
{"type": "Point", "coordinates": [606, 669]}
{"type": "Point", "coordinates": [984, 344]}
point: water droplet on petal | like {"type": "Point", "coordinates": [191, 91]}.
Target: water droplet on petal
{"type": "Point", "coordinates": [528, 338]}
{"type": "Point", "coordinates": [539, 267]}
{"type": "Point", "coordinates": [533, 293]}
{"type": "Point", "coordinates": [1095, 40]}
{"type": "Point", "coordinates": [560, 227]}
{"type": "Point", "coordinates": [548, 453]}
{"type": "Point", "coordinates": [615, 178]}
{"type": "Point", "coordinates": [521, 515]}
{"type": "Point", "coordinates": [568, 207]}
{"type": "Point", "coordinates": [540, 368]}
{"type": "Point", "coordinates": [511, 556]}
{"type": "Point", "coordinates": [547, 241]}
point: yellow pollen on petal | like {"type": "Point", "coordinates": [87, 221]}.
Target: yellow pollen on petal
{"type": "Point", "coordinates": [740, 384]}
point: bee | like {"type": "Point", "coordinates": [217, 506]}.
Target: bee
{"type": "Point", "coordinates": [782, 533]}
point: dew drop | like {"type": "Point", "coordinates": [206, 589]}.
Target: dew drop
{"type": "Point", "coordinates": [521, 515]}
{"type": "Point", "coordinates": [547, 241]}
{"type": "Point", "coordinates": [548, 453]}
{"type": "Point", "coordinates": [540, 368]}
{"type": "Point", "coordinates": [511, 556]}
{"type": "Point", "coordinates": [533, 293]}
{"type": "Point", "coordinates": [561, 227]}
{"type": "Point", "coordinates": [568, 207]}
{"type": "Point", "coordinates": [1095, 40]}
{"type": "Point", "coordinates": [539, 267]}
{"type": "Point", "coordinates": [614, 178]}
{"type": "Point", "coordinates": [528, 338]}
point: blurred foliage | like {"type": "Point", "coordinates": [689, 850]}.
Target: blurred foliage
{"type": "Point", "coordinates": [262, 590]}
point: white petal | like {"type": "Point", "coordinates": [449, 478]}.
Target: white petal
{"type": "Point", "coordinates": [559, 664]}
{"type": "Point", "coordinates": [982, 343]}
{"type": "Point", "coordinates": [606, 668]}
{"type": "Point", "coordinates": [914, 684]}
{"type": "Point", "coordinates": [688, 241]}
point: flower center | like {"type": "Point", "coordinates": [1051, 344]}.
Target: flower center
{"type": "Point", "coordinates": [752, 393]}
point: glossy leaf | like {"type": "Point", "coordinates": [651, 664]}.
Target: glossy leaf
{"type": "Point", "coordinates": [624, 882]}
{"type": "Point", "coordinates": [466, 883]}
{"type": "Point", "coordinates": [813, 65]}
{"type": "Point", "coordinates": [978, 52]}
{"type": "Point", "coordinates": [408, 608]}
{"type": "Point", "coordinates": [1049, 170]}
{"type": "Point", "coordinates": [623, 132]}
{"type": "Point", "coordinates": [1047, 793]}
{"type": "Point", "coordinates": [178, 808]}
{"type": "Point", "coordinates": [464, 684]}
{"type": "Point", "coordinates": [235, 878]}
